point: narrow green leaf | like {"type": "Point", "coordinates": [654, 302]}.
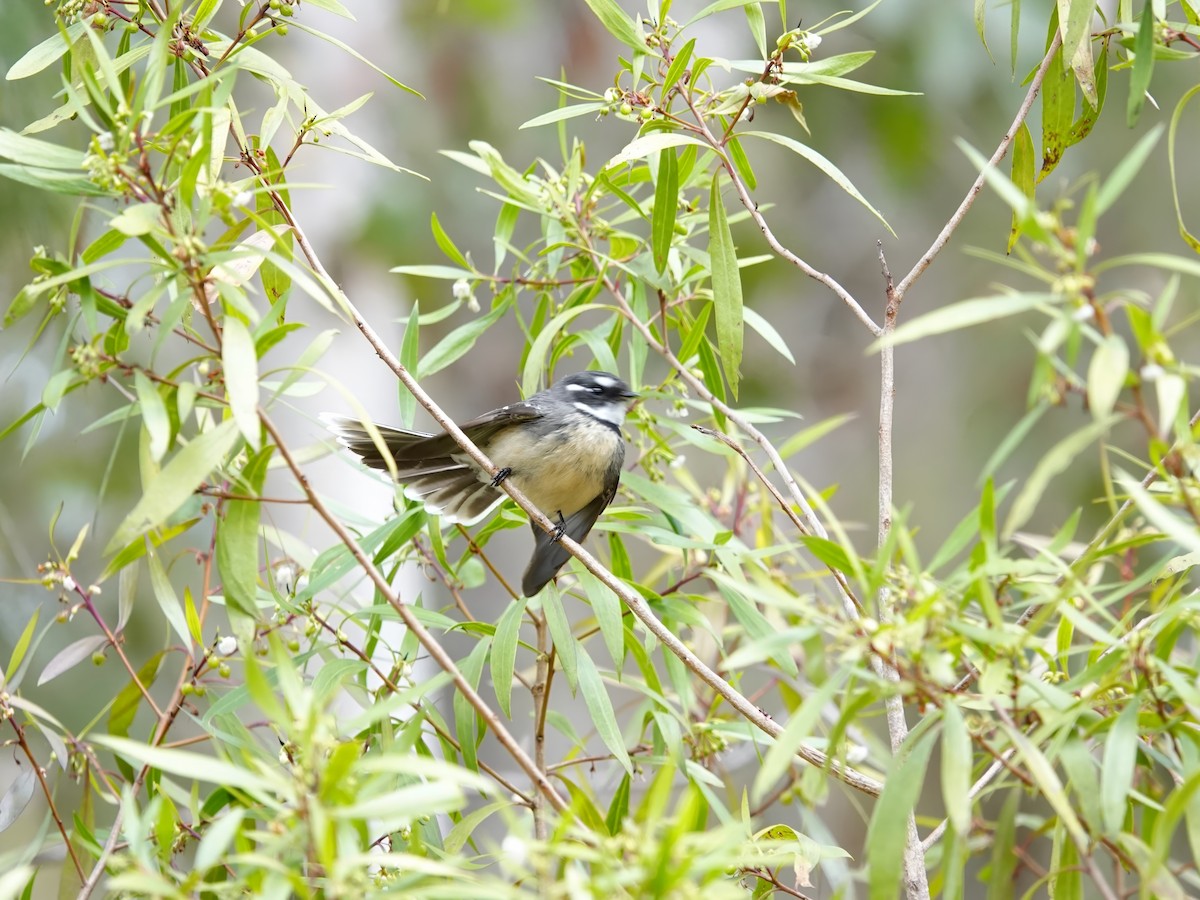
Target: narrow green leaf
{"type": "Point", "coordinates": [741, 162]}
{"type": "Point", "coordinates": [167, 599]}
{"type": "Point", "coordinates": [1116, 775]}
{"type": "Point", "coordinates": [565, 644]}
{"type": "Point", "coordinates": [1130, 164]}
{"type": "Point", "coordinates": [1052, 464]}
{"type": "Point", "coordinates": [607, 609]}
{"type": "Point", "coordinates": [726, 287]}
{"type": "Point", "coordinates": [1046, 779]}
{"type": "Point", "coordinates": [678, 66]}
{"type": "Point", "coordinates": [465, 718]}
{"type": "Point", "coordinates": [1004, 861]}
{"type": "Point", "coordinates": [237, 538]}
{"type": "Point", "coordinates": [1106, 375]}
{"type": "Point", "coordinates": [601, 709]}
{"type": "Point", "coordinates": [46, 53]}
{"type": "Point", "coordinates": [618, 23]}
{"type": "Point", "coordinates": [758, 27]}
{"type": "Point", "coordinates": [964, 314]}
{"type": "Point", "coordinates": [618, 809]}
{"type": "Point", "coordinates": [716, 7]}
{"type": "Point", "coordinates": [176, 482]}
{"type": "Point", "coordinates": [457, 343]}
{"type": "Point", "coordinates": [980, 23]}
{"type": "Point", "coordinates": [346, 48]}
{"type": "Point", "coordinates": [666, 206]}
{"type": "Point", "coordinates": [19, 649]}
{"type": "Point", "coordinates": [447, 245]}
{"type": "Point", "coordinates": [35, 152]}
{"type": "Point", "coordinates": [218, 837]}
{"type": "Point", "coordinates": [444, 272]}
{"type": "Point", "coordinates": [767, 332]}
{"type": "Point", "coordinates": [824, 165]}
{"type": "Point", "coordinates": [1192, 240]}
{"type": "Point", "coordinates": [239, 362]}
{"type": "Point", "coordinates": [799, 729]}
{"type": "Point", "coordinates": [695, 335]}
{"type": "Point", "coordinates": [888, 832]}
{"type": "Point", "coordinates": [129, 700]}
{"type": "Point", "coordinates": [504, 653]}
{"type": "Point", "coordinates": [1024, 176]}
{"type": "Point", "coordinates": [154, 414]}
{"type": "Point", "coordinates": [1066, 879]}
{"type": "Point", "coordinates": [1182, 533]}
{"type": "Point", "coordinates": [1090, 113]}
{"type": "Point", "coordinates": [1075, 23]}
{"type": "Point", "coordinates": [565, 112]}
{"type": "Point", "coordinates": [1058, 112]}
{"type": "Point", "coordinates": [956, 768]}
{"type": "Point", "coordinates": [651, 143]}
{"type": "Point", "coordinates": [1143, 65]}
{"type": "Point", "coordinates": [194, 766]}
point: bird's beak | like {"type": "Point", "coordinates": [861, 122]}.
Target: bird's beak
{"type": "Point", "coordinates": [630, 395]}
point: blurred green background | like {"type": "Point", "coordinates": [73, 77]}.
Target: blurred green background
{"type": "Point", "coordinates": [476, 62]}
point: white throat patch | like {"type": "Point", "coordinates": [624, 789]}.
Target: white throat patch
{"type": "Point", "coordinates": [613, 413]}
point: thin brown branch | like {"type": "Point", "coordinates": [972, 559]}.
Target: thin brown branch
{"type": "Point", "coordinates": [955, 220]}
{"type": "Point", "coordinates": [40, 774]}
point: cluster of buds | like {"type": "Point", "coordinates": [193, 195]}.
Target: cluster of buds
{"type": "Point", "coordinates": [624, 103]}
{"type": "Point", "coordinates": [803, 42]}
{"type": "Point", "coordinates": [69, 11]}
{"type": "Point", "coordinates": [87, 361]}
{"type": "Point", "coordinates": [105, 165]}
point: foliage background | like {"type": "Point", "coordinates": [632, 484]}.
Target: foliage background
{"type": "Point", "coordinates": [476, 61]}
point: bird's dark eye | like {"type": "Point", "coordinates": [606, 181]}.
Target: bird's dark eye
{"type": "Point", "coordinates": [596, 389]}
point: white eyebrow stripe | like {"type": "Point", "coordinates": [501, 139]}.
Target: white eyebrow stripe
{"type": "Point", "coordinates": [577, 387]}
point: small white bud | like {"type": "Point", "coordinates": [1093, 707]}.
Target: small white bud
{"type": "Point", "coordinates": [242, 198]}
{"type": "Point", "coordinates": [105, 140]}
{"type": "Point", "coordinates": [1151, 372]}
{"type": "Point", "coordinates": [1084, 313]}
{"type": "Point", "coordinates": [69, 583]}
{"type": "Point", "coordinates": [227, 645]}
{"type": "Point", "coordinates": [515, 849]}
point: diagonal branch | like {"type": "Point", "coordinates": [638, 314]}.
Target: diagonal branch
{"type": "Point", "coordinates": [968, 201]}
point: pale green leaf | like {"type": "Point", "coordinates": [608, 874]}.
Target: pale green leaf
{"type": "Point", "coordinates": [191, 766]}
{"type": "Point", "coordinates": [564, 112]}
{"type": "Point", "coordinates": [239, 362]}
{"type": "Point", "coordinates": [1124, 172]}
{"type": "Point", "coordinates": [46, 53]}
{"type": "Point", "coordinates": [599, 705]}
{"type": "Point", "coordinates": [1053, 463]}
{"type": "Point", "coordinates": [154, 414]}
{"type": "Point", "coordinates": [1117, 773]}
{"type": "Point", "coordinates": [824, 165]}
{"type": "Point", "coordinates": [726, 287]}
{"type": "Point", "coordinates": [617, 22]}
{"type": "Point", "coordinates": [175, 483]}
{"type": "Point", "coordinates": [798, 731]}
{"type": "Point", "coordinates": [651, 143]}
{"type": "Point", "coordinates": [1106, 375]}
{"type": "Point", "coordinates": [504, 653]}
{"type": "Point", "coordinates": [965, 314]}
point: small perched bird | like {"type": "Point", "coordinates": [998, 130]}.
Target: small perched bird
{"type": "Point", "coordinates": [562, 448]}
